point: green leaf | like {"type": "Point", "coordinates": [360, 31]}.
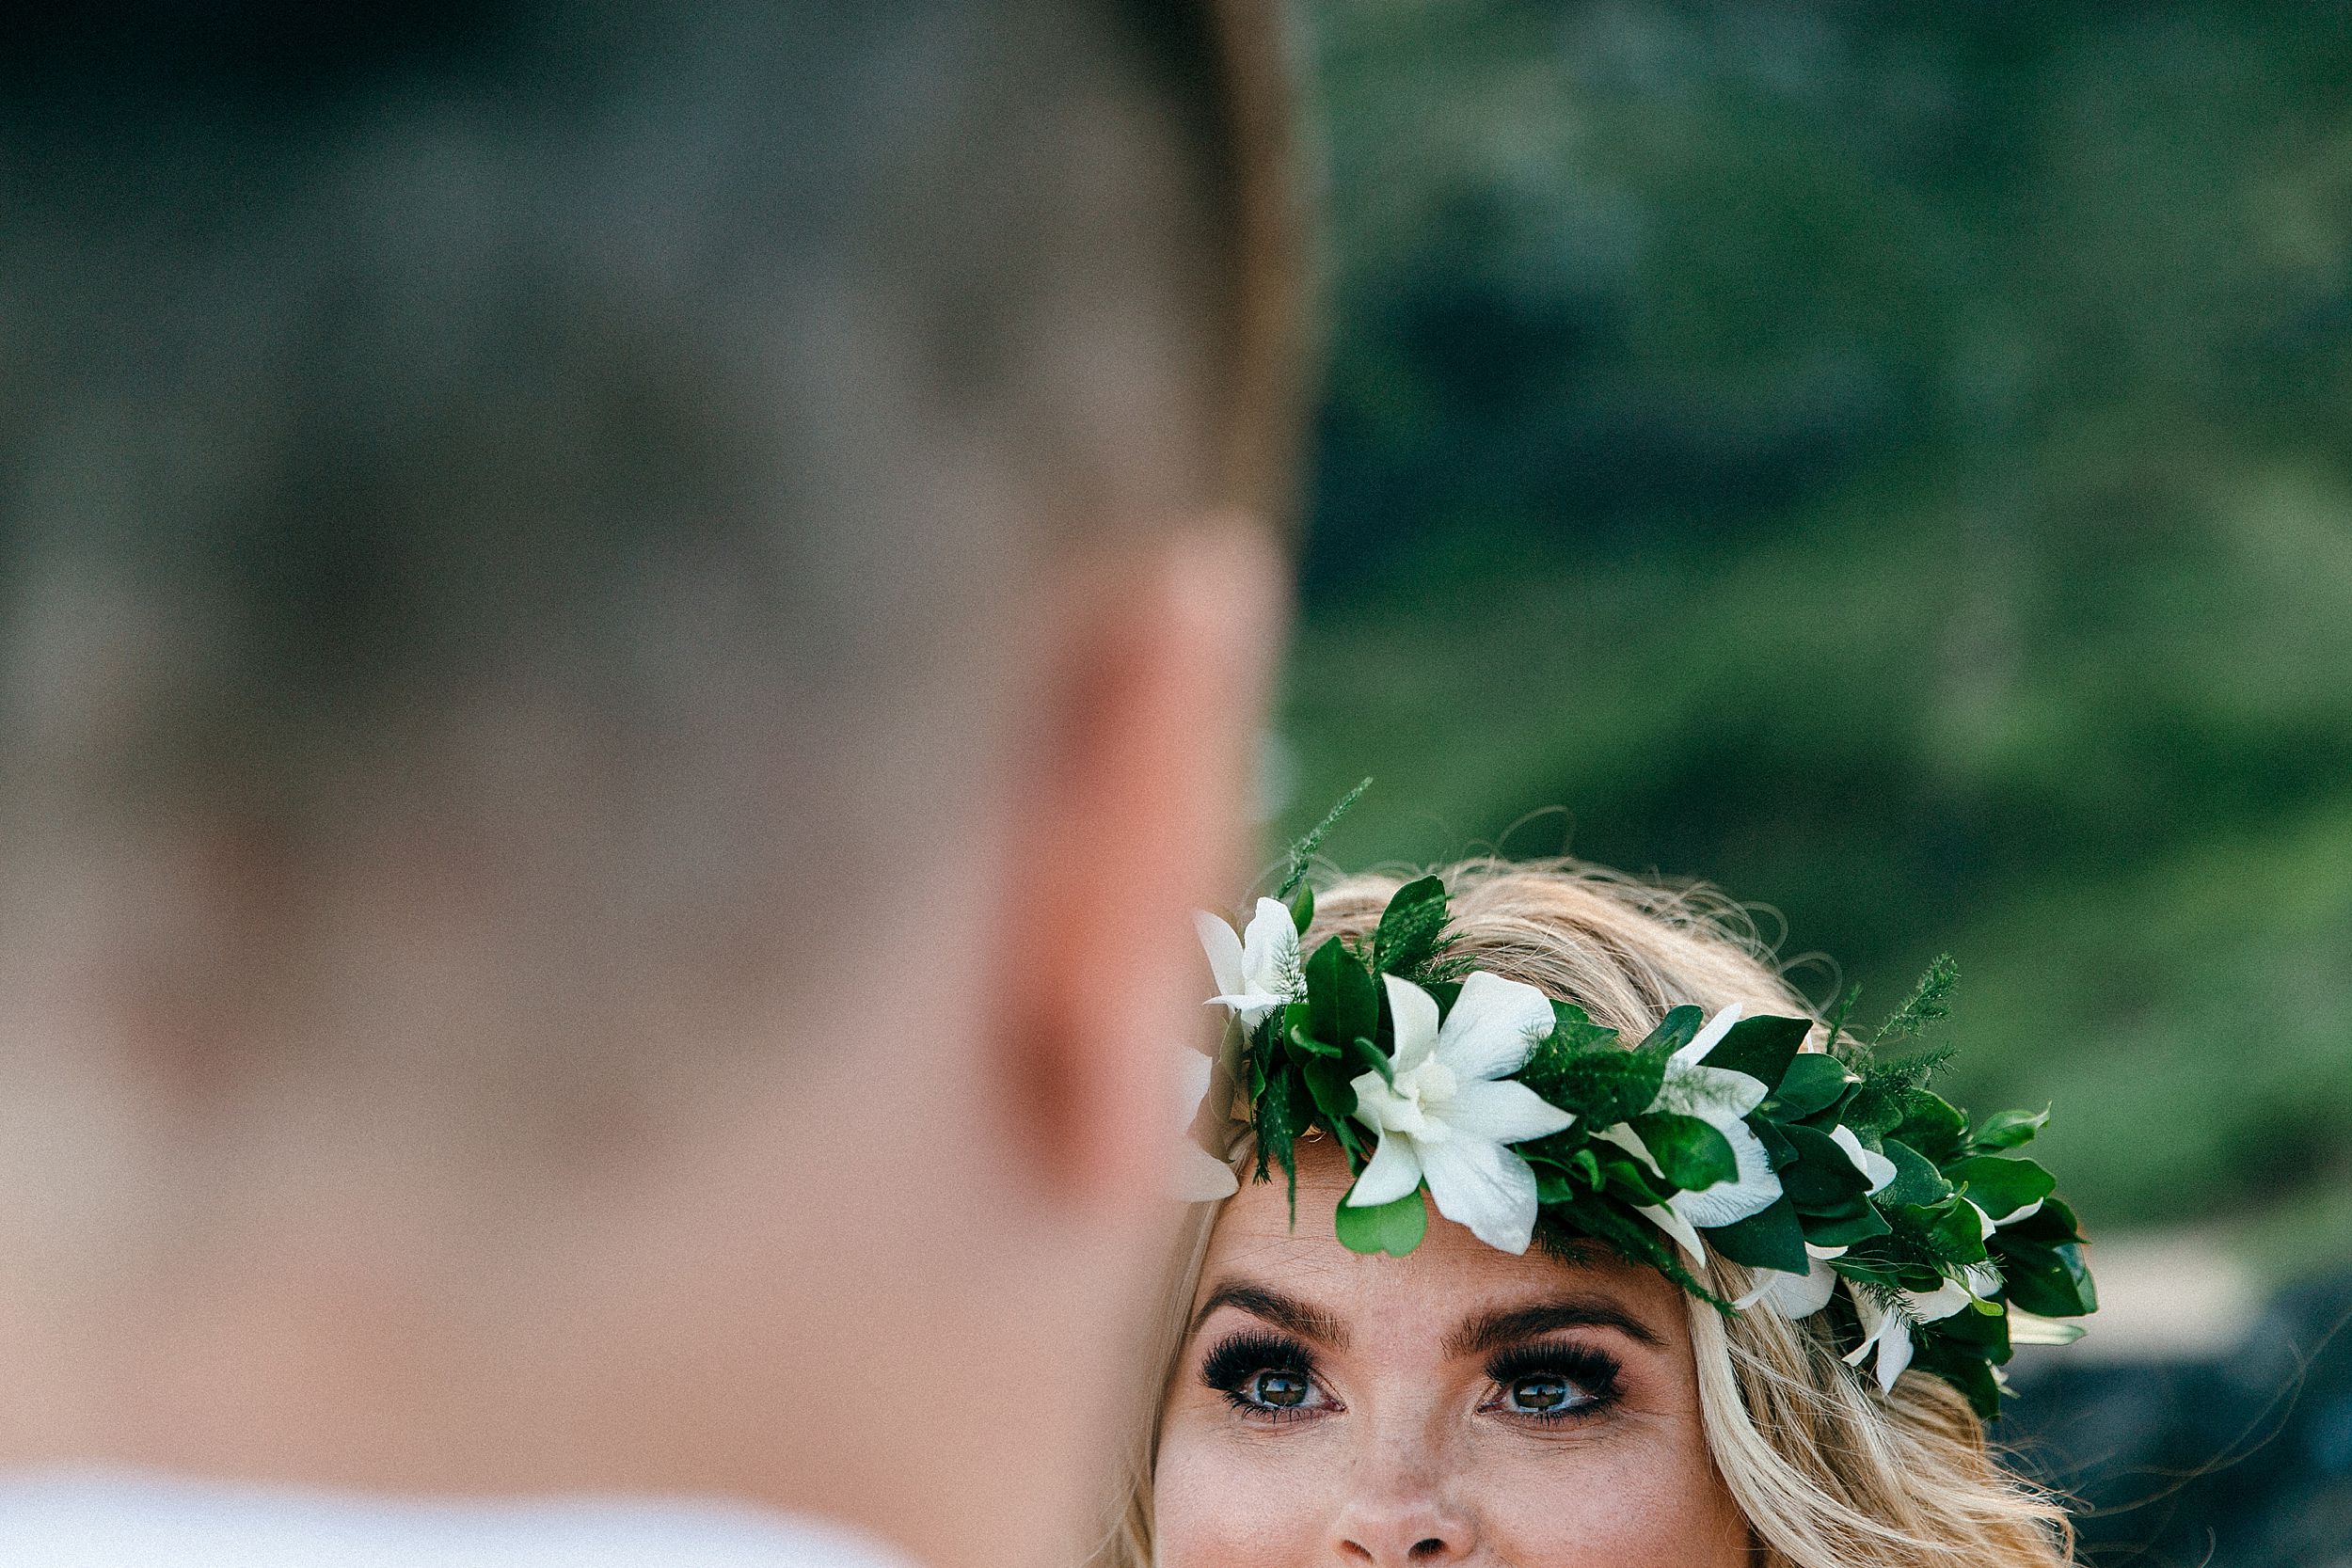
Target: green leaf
{"type": "Point", "coordinates": [1395, 1229]}
{"type": "Point", "coordinates": [1412, 929]}
{"type": "Point", "coordinates": [1572, 1029]}
{"type": "Point", "coordinates": [1564, 1165]}
{"type": "Point", "coordinates": [1305, 1046]}
{"type": "Point", "coordinates": [1363, 1056]}
{"type": "Point", "coordinates": [1845, 1230]}
{"type": "Point", "coordinates": [2000, 1186]}
{"type": "Point", "coordinates": [1329, 1085]}
{"type": "Point", "coordinates": [1983, 1330]}
{"type": "Point", "coordinates": [2078, 1270]}
{"type": "Point", "coordinates": [1962, 1366]}
{"type": "Point", "coordinates": [1675, 1030]}
{"type": "Point", "coordinates": [2047, 1281]}
{"type": "Point", "coordinates": [1303, 909]}
{"type": "Point", "coordinates": [1692, 1154]}
{"type": "Point", "coordinates": [1303, 849]}
{"type": "Point", "coordinates": [1932, 1126]}
{"type": "Point", "coordinates": [2052, 1226]}
{"type": "Point", "coordinates": [1823, 1178]}
{"type": "Point", "coordinates": [1760, 1047]}
{"type": "Point", "coordinates": [1623, 1178]}
{"type": "Point", "coordinates": [1950, 1233]}
{"type": "Point", "coordinates": [1772, 1240]}
{"type": "Point", "coordinates": [1874, 1109]}
{"type": "Point", "coordinates": [1814, 1082]}
{"type": "Point", "coordinates": [1342, 999]}
{"type": "Point", "coordinates": [1281, 1117]}
{"type": "Point", "coordinates": [1603, 1087]}
{"type": "Point", "coordinates": [2012, 1129]}
{"type": "Point", "coordinates": [1929, 1004]}
{"type": "Point", "coordinates": [1918, 1185]}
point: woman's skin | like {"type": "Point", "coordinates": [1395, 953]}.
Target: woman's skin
{"type": "Point", "coordinates": [1460, 1405]}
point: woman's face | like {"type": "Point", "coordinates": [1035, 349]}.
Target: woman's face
{"type": "Point", "coordinates": [1460, 1405]}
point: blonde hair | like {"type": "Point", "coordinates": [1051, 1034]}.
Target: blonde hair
{"type": "Point", "coordinates": [1828, 1472]}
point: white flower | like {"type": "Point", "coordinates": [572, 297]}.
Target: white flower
{"type": "Point", "coordinates": [1200, 1176]}
{"type": "Point", "coordinates": [1448, 1114]}
{"type": "Point", "coordinates": [2024, 1212]}
{"type": "Point", "coordinates": [1797, 1295]}
{"type": "Point", "coordinates": [1888, 1332]}
{"type": "Point", "coordinates": [1257, 973]}
{"type": "Point", "coordinates": [1982, 1279]}
{"type": "Point", "coordinates": [1870, 1162]}
{"type": "Point", "coordinates": [1720, 1098]}
{"type": "Point", "coordinates": [2026, 1329]}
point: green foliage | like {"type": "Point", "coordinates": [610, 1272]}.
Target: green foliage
{"type": "Point", "coordinates": [2000, 1186]}
{"type": "Point", "coordinates": [1932, 1126]}
{"type": "Point", "coordinates": [1302, 850]}
{"type": "Point", "coordinates": [1813, 1081]}
{"type": "Point", "coordinates": [1395, 1229]}
{"type": "Point", "coordinates": [1675, 1031]}
{"type": "Point", "coordinates": [1931, 1003]}
{"type": "Point", "coordinates": [1343, 1000]}
{"type": "Point", "coordinates": [1624, 1157]}
{"type": "Point", "coordinates": [1821, 1179]}
{"type": "Point", "coordinates": [2012, 1129]}
{"type": "Point", "coordinates": [1603, 1083]}
{"type": "Point", "coordinates": [1917, 1183]}
{"type": "Point", "coordinates": [1763, 1048]}
{"type": "Point", "coordinates": [1690, 1153]}
{"type": "Point", "coordinates": [1412, 933]}
{"type": "Point", "coordinates": [1279, 1116]}
{"type": "Point", "coordinates": [1772, 1240]}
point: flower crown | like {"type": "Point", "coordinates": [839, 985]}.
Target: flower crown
{"type": "Point", "coordinates": [1518, 1117]}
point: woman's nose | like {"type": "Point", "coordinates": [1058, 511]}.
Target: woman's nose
{"type": "Point", "coordinates": [1400, 1522]}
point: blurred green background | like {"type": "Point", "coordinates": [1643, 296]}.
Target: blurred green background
{"type": "Point", "coordinates": [1889, 460]}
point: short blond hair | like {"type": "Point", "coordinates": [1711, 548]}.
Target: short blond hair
{"type": "Point", "coordinates": [1828, 1472]}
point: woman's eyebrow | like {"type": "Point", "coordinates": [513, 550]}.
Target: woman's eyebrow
{"type": "Point", "coordinates": [1287, 1312]}
{"type": "Point", "coordinates": [1493, 1330]}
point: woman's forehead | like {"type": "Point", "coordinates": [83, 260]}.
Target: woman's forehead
{"type": "Point", "coordinates": [1450, 1276]}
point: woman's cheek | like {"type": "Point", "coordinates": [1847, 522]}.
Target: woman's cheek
{"type": "Point", "coordinates": [1584, 1511]}
{"type": "Point", "coordinates": [1213, 1511]}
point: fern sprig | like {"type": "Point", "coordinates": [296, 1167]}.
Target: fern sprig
{"type": "Point", "coordinates": [1302, 850]}
{"type": "Point", "coordinates": [1931, 1003]}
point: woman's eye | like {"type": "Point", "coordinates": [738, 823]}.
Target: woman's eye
{"type": "Point", "coordinates": [1543, 1394]}
{"type": "Point", "coordinates": [1264, 1376]}
{"type": "Point", "coordinates": [1278, 1391]}
{"type": "Point", "coordinates": [1552, 1383]}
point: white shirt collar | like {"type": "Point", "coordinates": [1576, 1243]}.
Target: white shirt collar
{"type": "Point", "coordinates": [117, 1520]}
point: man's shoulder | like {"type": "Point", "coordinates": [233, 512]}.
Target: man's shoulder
{"type": "Point", "coordinates": [141, 1521]}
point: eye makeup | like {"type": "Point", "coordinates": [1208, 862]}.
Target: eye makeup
{"type": "Point", "coordinates": [1267, 1377]}
{"type": "Point", "coordinates": [1553, 1382]}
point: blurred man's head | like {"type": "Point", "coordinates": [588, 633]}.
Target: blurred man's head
{"type": "Point", "coordinates": [625, 629]}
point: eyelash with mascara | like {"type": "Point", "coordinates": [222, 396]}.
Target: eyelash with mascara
{"type": "Point", "coordinates": [1236, 1362]}
{"type": "Point", "coordinates": [1240, 1357]}
{"type": "Point", "coordinates": [1592, 1372]}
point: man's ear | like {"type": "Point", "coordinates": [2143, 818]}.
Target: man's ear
{"type": "Point", "coordinates": [1130, 811]}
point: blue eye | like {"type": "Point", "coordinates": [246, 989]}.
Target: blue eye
{"type": "Point", "coordinates": [1277, 1390]}
{"type": "Point", "coordinates": [1544, 1395]}
{"type": "Point", "coordinates": [1552, 1383]}
{"type": "Point", "coordinates": [1264, 1376]}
